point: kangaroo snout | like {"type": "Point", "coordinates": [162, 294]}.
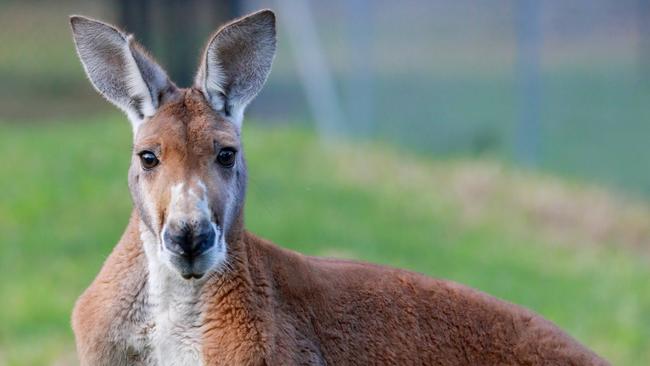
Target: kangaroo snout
{"type": "Point", "coordinates": [189, 240]}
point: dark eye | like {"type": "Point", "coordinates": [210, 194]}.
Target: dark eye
{"type": "Point", "coordinates": [148, 160]}
{"type": "Point", "coordinates": [226, 157]}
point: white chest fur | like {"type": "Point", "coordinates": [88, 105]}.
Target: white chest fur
{"type": "Point", "coordinates": [176, 315]}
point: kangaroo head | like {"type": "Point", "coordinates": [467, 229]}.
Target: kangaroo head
{"type": "Point", "coordinates": [188, 175]}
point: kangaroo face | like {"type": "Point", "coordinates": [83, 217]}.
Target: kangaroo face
{"type": "Point", "coordinates": [187, 176]}
{"type": "Point", "coordinates": [187, 180]}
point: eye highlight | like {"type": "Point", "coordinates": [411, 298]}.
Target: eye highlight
{"type": "Point", "coordinates": [148, 160]}
{"type": "Point", "coordinates": [226, 157]}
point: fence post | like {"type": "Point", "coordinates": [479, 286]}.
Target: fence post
{"type": "Point", "coordinates": [527, 139]}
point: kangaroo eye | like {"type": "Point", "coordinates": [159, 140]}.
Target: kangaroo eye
{"type": "Point", "coordinates": [148, 160]}
{"type": "Point", "coordinates": [226, 157]}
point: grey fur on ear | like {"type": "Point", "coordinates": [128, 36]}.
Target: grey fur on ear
{"type": "Point", "coordinates": [119, 68]}
{"type": "Point", "coordinates": [236, 63]}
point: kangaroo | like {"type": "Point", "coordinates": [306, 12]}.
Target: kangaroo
{"type": "Point", "coordinates": [188, 285]}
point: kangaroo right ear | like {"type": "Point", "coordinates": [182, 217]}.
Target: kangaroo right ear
{"type": "Point", "coordinates": [120, 69]}
{"type": "Point", "coordinates": [236, 62]}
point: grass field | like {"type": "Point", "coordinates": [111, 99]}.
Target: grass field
{"type": "Point", "coordinates": [575, 254]}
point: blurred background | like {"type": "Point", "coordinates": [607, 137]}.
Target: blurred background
{"type": "Point", "coordinates": [500, 144]}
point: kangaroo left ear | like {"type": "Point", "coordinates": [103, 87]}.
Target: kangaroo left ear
{"type": "Point", "coordinates": [120, 69]}
{"type": "Point", "coordinates": [236, 63]}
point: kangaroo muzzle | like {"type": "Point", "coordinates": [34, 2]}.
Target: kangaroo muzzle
{"type": "Point", "coordinates": [191, 237]}
{"type": "Point", "coordinates": [189, 240]}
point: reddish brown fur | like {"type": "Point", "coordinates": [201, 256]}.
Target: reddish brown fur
{"type": "Point", "coordinates": [277, 307]}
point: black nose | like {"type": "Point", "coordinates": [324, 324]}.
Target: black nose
{"type": "Point", "coordinates": [189, 241]}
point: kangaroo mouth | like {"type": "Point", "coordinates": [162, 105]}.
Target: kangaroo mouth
{"type": "Point", "coordinates": [189, 276]}
{"type": "Point", "coordinates": [195, 268]}
{"type": "Point", "coordinates": [191, 268]}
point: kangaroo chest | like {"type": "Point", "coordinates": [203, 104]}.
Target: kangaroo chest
{"type": "Point", "coordinates": [161, 330]}
{"type": "Point", "coordinates": [175, 338]}
{"type": "Point", "coordinates": [174, 312]}
{"type": "Point", "coordinates": [164, 324]}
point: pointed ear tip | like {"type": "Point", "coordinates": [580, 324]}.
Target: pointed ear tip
{"type": "Point", "coordinates": [264, 15]}
{"type": "Point", "coordinates": [75, 19]}
{"type": "Point", "coordinates": [79, 22]}
{"type": "Point", "coordinates": [268, 14]}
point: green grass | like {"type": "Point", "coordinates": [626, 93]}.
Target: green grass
{"type": "Point", "coordinates": [65, 202]}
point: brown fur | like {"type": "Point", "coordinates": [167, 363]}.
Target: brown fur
{"type": "Point", "coordinates": [276, 307]}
